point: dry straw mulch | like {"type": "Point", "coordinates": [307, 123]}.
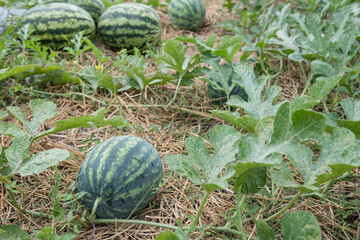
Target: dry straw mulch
{"type": "Point", "coordinates": [166, 129]}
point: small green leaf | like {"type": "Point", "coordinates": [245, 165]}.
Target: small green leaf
{"type": "Point", "coordinates": [323, 86]}
{"type": "Point", "coordinates": [3, 115]}
{"type": "Point", "coordinates": [264, 231]}
{"type": "Point", "coordinates": [167, 236]}
{"type": "Point", "coordinates": [251, 180]}
{"type": "Point", "coordinates": [42, 111]}
{"type": "Point", "coordinates": [300, 225]}
{"type": "Point", "coordinates": [41, 161]}
{"type": "Point", "coordinates": [8, 232]}
{"type": "Point", "coordinates": [10, 129]}
{"type": "Point", "coordinates": [27, 70]}
{"type": "Point", "coordinates": [96, 119]}
{"type": "Point", "coordinates": [351, 108]}
{"type": "Point", "coordinates": [18, 150]}
{"type": "Point", "coordinates": [48, 233]}
{"type": "Point", "coordinates": [323, 68]}
{"type": "Point", "coordinates": [246, 122]}
{"type": "Point", "coordinates": [303, 102]}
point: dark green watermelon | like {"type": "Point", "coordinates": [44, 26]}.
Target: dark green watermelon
{"type": "Point", "coordinates": [124, 172]}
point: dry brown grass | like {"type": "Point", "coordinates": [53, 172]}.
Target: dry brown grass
{"type": "Point", "coordinates": [177, 198]}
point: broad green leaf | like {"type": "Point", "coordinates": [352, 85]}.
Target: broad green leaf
{"type": "Point", "coordinates": [274, 137]}
{"type": "Point", "coordinates": [42, 111]}
{"type": "Point", "coordinates": [303, 102]}
{"type": "Point", "coordinates": [107, 82]}
{"type": "Point", "coordinates": [251, 180]}
{"type": "Point", "coordinates": [323, 86]}
{"type": "Point", "coordinates": [351, 108]}
{"type": "Point", "coordinates": [323, 68]}
{"type": "Point", "coordinates": [219, 75]}
{"type": "Point", "coordinates": [354, 126]}
{"type": "Point", "coordinates": [223, 139]}
{"type": "Point", "coordinates": [59, 77]}
{"type": "Point", "coordinates": [167, 236]}
{"type": "Point", "coordinates": [300, 225]}
{"type": "Point", "coordinates": [3, 115]}
{"type": "Point", "coordinates": [228, 47]}
{"type": "Point", "coordinates": [27, 70]}
{"type": "Point", "coordinates": [8, 232]}
{"type": "Point", "coordinates": [96, 119]}
{"type": "Point", "coordinates": [340, 153]}
{"type": "Point", "coordinates": [18, 150]}
{"type": "Point", "coordinates": [48, 233]}
{"type": "Point", "coordinates": [282, 176]}
{"type": "Point", "coordinates": [176, 58]}
{"type": "Point", "coordinates": [41, 161]}
{"type": "Point", "coordinates": [254, 152]}
{"type": "Point", "coordinates": [264, 232]}
{"type": "Point", "coordinates": [246, 122]}
{"type": "Point", "coordinates": [256, 106]}
{"type": "Point", "coordinates": [301, 125]}
{"type": "Point", "coordinates": [352, 112]}
{"type": "Point", "coordinates": [10, 129]}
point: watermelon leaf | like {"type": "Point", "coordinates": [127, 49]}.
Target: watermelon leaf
{"type": "Point", "coordinates": [246, 122]}
{"type": "Point", "coordinates": [17, 154]}
{"type": "Point", "coordinates": [264, 231]}
{"type": "Point", "coordinates": [340, 153]}
{"type": "Point", "coordinates": [42, 111]}
{"type": "Point", "coordinates": [41, 161]}
{"type": "Point", "coordinates": [96, 119]}
{"type": "Point", "coordinates": [13, 232]}
{"type": "Point", "coordinates": [222, 138]}
{"type": "Point", "coordinates": [300, 225]}
{"type": "Point", "coordinates": [274, 137]}
{"type": "Point", "coordinates": [352, 112]}
{"type": "Point", "coordinates": [323, 86]}
{"type": "Point", "coordinates": [25, 71]}
{"type": "Point", "coordinates": [253, 86]}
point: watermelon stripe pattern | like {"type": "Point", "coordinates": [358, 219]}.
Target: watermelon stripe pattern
{"type": "Point", "coordinates": [94, 7]}
{"type": "Point", "coordinates": [124, 172]}
{"type": "Point", "coordinates": [187, 14]}
{"type": "Point", "coordinates": [51, 21]}
{"type": "Point", "coordinates": [129, 25]}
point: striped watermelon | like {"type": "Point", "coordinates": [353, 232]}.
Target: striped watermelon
{"type": "Point", "coordinates": [53, 21]}
{"type": "Point", "coordinates": [129, 25]}
{"type": "Point", "coordinates": [123, 172]}
{"type": "Point", "coordinates": [187, 14]}
{"type": "Point", "coordinates": [94, 7]}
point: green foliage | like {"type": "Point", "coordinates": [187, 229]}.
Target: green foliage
{"type": "Point", "coordinates": [17, 154]}
{"type": "Point", "coordinates": [222, 139]}
{"type": "Point", "coordinates": [13, 232]}
{"type": "Point", "coordinates": [300, 225]}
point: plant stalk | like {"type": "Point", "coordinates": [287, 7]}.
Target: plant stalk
{"type": "Point", "coordinates": [93, 212]}
{"type": "Point", "coordinates": [176, 91]}
{"type": "Point", "coordinates": [201, 207]}
{"type": "Point", "coordinates": [239, 204]}
{"type": "Point", "coordinates": [289, 205]}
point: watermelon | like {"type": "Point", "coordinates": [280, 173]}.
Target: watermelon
{"type": "Point", "coordinates": [94, 7]}
{"type": "Point", "coordinates": [218, 97]}
{"type": "Point", "coordinates": [122, 172]}
{"type": "Point", "coordinates": [187, 14]}
{"type": "Point", "coordinates": [128, 25]}
{"type": "Point", "coordinates": [52, 21]}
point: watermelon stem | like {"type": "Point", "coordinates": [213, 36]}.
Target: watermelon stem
{"type": "Point", "coordinates": [96, 204]}
{"type": "Point", "coordinates": [176, 90]}
{"type": "Point", "coordinates": [201, 207]}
